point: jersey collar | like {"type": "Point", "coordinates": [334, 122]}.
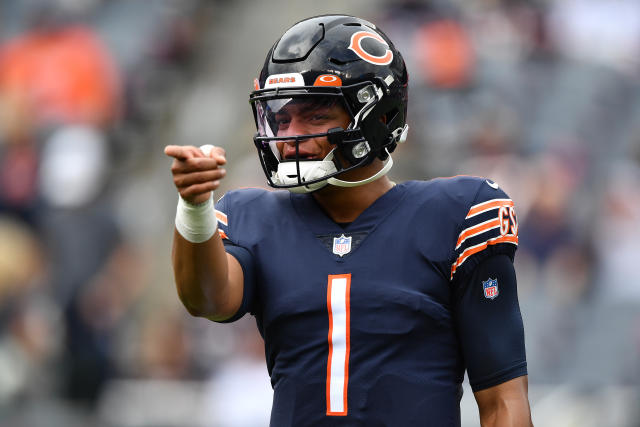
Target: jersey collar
{"type": "Point", "coordinates": [312, 214]}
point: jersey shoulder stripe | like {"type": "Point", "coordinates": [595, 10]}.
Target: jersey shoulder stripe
{"type": "Point", "coordinates": [487, 206]}
{"type": "Point", "coordinates": [480, 247]}
{"type": "Point", "coordinates": [221, 217]}
{"type": "Point", "coordinates": [489, 226]}
{"type": "Point", "coordinates": [476, 230]}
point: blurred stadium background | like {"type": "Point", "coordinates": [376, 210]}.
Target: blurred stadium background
{"type": "Point", "coordinates": [541, 96]}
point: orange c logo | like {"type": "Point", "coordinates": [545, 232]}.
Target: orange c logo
{"type": "Point", "coordinates": [356, 46]}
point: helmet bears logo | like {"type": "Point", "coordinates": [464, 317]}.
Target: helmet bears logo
{"type": "Point", "coordinates": [356, 47]}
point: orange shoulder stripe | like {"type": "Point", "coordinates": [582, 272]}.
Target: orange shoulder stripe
{"type": "Point", "coordinates": [477, 229]}
{"type": "Point", "coordinates": [488, 205]}
{"type": "Point", "coordinates": [222, 217]}
{"type": "Point", "coordinates": [509, 238]}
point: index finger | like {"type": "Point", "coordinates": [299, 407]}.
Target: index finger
{"type": "Point", "coordinates": [181, 152]}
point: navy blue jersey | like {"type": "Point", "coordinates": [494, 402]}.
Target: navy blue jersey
{"type": "Point", "coordinates": [375, 322]}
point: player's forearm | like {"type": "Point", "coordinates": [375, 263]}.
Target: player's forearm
{"type": "Point", "coordinates": [201, 274]}
{"type": "Point", "coordinates": [505, 405]}
{"type": "Point", "coordinates": [506, 413]}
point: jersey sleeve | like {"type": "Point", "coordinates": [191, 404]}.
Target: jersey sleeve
{"type": "Point", "coordinates": [490, 227]}
{"type": "Point", "coordinates": [224, 215]}
{"type": "Point", "coordinates": [489, 323]}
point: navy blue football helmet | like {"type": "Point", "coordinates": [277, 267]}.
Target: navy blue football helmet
{"type": "Point", "coordinates": [325, 60]}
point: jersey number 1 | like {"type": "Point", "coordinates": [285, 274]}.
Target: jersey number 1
{"type": "Point", "coordinates": [338, 295]}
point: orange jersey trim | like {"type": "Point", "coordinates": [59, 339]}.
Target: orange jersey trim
{"type": "Point", "coordinates": [477, 229]}
{"type": "Point", "coordinates": [223, 234]}
{"type": "Point", "coordinates": [487, 206]}
{"type": "Point", "coordinates": [480, 247]}
{"type": "Point", "coordinates": [221, 217]}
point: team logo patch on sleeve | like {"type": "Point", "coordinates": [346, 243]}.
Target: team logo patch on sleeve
{"type": "Point", "coordinates": [490, 287]}
{"type": "Point", "coordinates": [342, 245]}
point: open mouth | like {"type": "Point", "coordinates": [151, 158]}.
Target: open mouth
{"type": "Point", "coordinates": [301, 156]}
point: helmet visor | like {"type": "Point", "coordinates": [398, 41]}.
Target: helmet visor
{"type": "Point", "coordinates": [274, 116]}
{"type": "Point", "coordinates": [284, 121]}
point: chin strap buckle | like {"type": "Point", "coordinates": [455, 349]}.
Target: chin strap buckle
{"type": "Point", "coordinates": [400, 134]}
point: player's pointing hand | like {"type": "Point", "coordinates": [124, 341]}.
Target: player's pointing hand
{"type": "Point", "coordinates": [196, 171]}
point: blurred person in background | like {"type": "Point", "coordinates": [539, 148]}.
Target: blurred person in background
{"type": "Point", "coordinates": [56, 73]}
{"type": "Point", "coordinates": [353, 334]}
{"type": "Point", "coordinates": [29, 321]}
{"type": "Point", "coordinates": [60, 94]}
{"type": "Point", "coordinates": [63, 78]}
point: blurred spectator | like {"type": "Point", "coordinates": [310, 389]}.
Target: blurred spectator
{"type": "Point", "coordinates": [73, 167]}
{"type": "Point", "coordinates": [548, 225]}
{"type": "Point", "coordinates": [54, 74]}
{"type": "Point", "coordinates": [95, 318]}
{"type": "Point", "coordinates": [57, 73]}
{"type": "Point", "coordinates": [19, 178]}
{"type": "Point", "coordinates": [21, 260]}
{"type": "Point", "coordinates": [617, 234]}
{"type": "Point", "coordinates": [29, 350]}
{"type": "Point", "coordinates": [444, 54]}
{"type": "Point", "coordinates": [30, 324]}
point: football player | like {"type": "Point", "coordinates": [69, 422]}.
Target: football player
{"type": "Point", "coordinates": [372, 298]}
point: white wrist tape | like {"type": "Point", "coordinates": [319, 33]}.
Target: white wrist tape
{"type": "Point", "coordinates": [196, 223]}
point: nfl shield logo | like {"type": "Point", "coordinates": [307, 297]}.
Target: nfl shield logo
{"type": "Point", "coordinates": [341, 245]}
{"type": "Point", "coordinates": [490, 287]}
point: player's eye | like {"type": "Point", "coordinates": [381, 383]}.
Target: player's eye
{"type": "Point", "coordinates": [319, 117]}
{"type": "Point", "coordinates": [282, 121]}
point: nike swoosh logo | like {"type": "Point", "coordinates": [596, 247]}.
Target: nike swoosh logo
{"type": "Point", "coordinates": [492, 184]}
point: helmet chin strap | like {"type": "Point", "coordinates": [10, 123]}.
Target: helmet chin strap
{"type": "Point", "coordinates": [309, 170]}
{"type": "Point", "coordinates": [383, 171]}
{"type": "Point", "coordinates": [287, 174]}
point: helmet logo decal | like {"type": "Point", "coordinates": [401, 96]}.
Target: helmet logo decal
{"type": "Point", "coordinates": [283, 80]}
{"type": "Point", "coordinates": [328, 80]}
{"type": "Point", "coordinates": [356, 47]}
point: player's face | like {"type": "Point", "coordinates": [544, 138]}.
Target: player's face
{"type": "Point", "coordinates": [305, 118]}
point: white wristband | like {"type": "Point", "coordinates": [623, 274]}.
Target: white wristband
{"type": "Point", "coordinates": [196, 223]}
